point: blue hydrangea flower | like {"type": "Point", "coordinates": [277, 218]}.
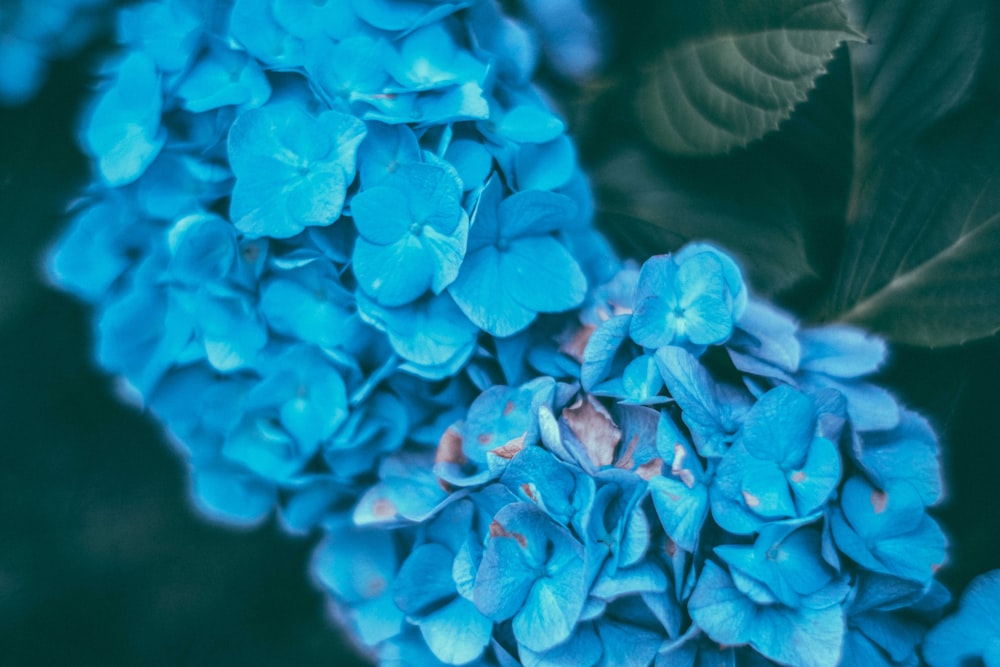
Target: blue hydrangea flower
{"type": "Point", "coordinates": [780, 468]}
{"type": "Point", "coordinates": [972, 634]}
{"type": "Point", "coordinates": [37, 32]}
{"type": "Point", "coordinates": [292, 169]}
{"type": "Point", "coordinates": [532, 572]}
{"type": "Point", "coordinates": [412, 233]}
{"type": "Point", "coordinates": [693, 297]}
{"type": "Point", "coordinates": [453, 627]}
{"type": "Point", "coordinates": [511, 251]}
{"type": "Point", "coordinates": [887, 530]}
{"type": "Point", "coordinates": [733, 612]}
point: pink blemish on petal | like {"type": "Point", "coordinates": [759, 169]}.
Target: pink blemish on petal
{"type": "Point", "coordinates": [673, 497]}
{"type": "Point", "coordinates": [496, 530]}
{"type": "Point", "coordinates": [485, 438]}
{"type": "Point", "coordinates": [650, 469]}
{"type": "Point", "coordinates": [576, 343]}
{"type": "Point", "coordinates": [383, 508]}
{"type": "Point", "coordinates": [799, 476]}
{"type": "Point", "coordinates": [509, 408]}
{"type": "Point", "coordinates": [449, 449]}
{"type": "Point", "coordinates": [621, 309]}
{"type": "Point", "coordinates": [375, 587]}
{"type": "Point", "coordinates": [670, 547]}
{"type": "Point", "coordinates": [529, 491]}
{"type": "Point", "coordinates": [751, 500]}
{"type": "Point", "coordinates": [591, 423]}
{"type": "Point", "coordinates": [626, 461]}
{"type": "Point", "coordinates": [879, 500]}
{"type": "Point", "coordinates": [676, 470]}
{"type": "Point", "coordinates": [510, 449]}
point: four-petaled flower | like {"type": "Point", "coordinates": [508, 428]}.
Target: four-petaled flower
{"type": "Point", "coordinates": [412, 233]}
{"type": "Point", "coordinates": [292, 169]}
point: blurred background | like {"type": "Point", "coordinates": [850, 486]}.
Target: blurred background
{"type": "Point", "coordinates": [103, 561]}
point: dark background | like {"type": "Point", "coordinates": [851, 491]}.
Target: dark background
{"type": "Point", "coordinates": [102, 560]}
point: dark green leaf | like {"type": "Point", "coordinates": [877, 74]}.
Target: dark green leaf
{"type": "Point", "coordinates": [741, 76]}
{"type": "Point", "coordinates": [744, 203]}
{"type": "Point", "coordinates": [922, 258]}
{"type": "Point", "coordinates": [918, 63]}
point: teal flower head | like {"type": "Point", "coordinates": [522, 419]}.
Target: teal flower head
{"type": "Point", "coordinates": [512, 250]}
{"type": "Point", "coordinates": [692, 298]}
{"type": "Point", "coordinates": [412, 233]}
{"type": "Point", "coordinates": [292, 168]}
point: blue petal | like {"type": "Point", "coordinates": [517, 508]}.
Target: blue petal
{"type": "Point", "coordinates": [694, 391]}
{"type": "Point", "coordinates": [682, 509]}
{"type": "Point", "coordinates": [888, 531]}
{"type": "Point", "coordinates": [545, 166]}
{"type": "Point", "coordinates": [384, 149]}
{"type": "Point", "coordinates": [552, 608]}
{"type": "Point", "coordinates": [457, 633]}
{"type": "Point", "coordinates": [231, 495]}
{"type": "Point", "coordinates": [483, 294]}
{"type": "Point", "coordinates": [602, 349]}
{"type": "Point", "coordinates": [471, 160]}
{"type": "Point", "coordinates": [530, 123]}
{"type": "Point", "coordinates": [309, 304]}
{"type": "Point", "coordinates": [292, 170]}
{"type": "Point", "coordinates": [534, 213]}
{"type": "Point", "coordinates": [424, 581]}
{"type": "Point", "coordinates": [393, 275]}
{"type": "Point", "coordinates": [816, 480]}
{"type": "Point", "coordinates": [532, 262]}
{"type": "Point", "coordinates": [356, 565]}
{"type": "Point", "coordinates": [583, 649]}
{"type": "Point", "coordinates": [167, 31]}
{"type": "Point", "coordinates": [313, 21]}
{"type": "Point", "coordinates": [788, 636]}
{"type": "Point", "coordinates": [431, 333]}
{"type": "Point", "coordinates": [223, 78]}
{"type": "Point", "coordinates": [706, 313]}
{"type": "Point", "coordinates": [381, 214]}
{"type": "Point", "coordinates": [765, 342]}
{"type": "Point", "coordinates": [402, 14]}
{"type": "Point", "coordinates": [973, 632]}
{"type": "Point", "coordinates": [780, 426]}
{"type": "Point", "coordinates": [429, 57]}
{"type": "Point", "coordinates": [841, 350]}
{"type": "Point", "coordinates": [122, 130]}
{"type": "Point", "coordinates": [252, 24]}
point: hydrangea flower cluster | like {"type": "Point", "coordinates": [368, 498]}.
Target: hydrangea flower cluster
{"type": "Point", "coordinates": [310, 218]}
{"type": "Point", "coordinates": [34, 32]}
{"type": "Point", "coordinates": [708, 484]}
{"type": "Point", "coordinates": [345, 256]}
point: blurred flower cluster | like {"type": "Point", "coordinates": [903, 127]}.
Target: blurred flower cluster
{"type": "Point", "coordinates": [35, 32]}
{"type": "Point", "coordinates": [343, 251]}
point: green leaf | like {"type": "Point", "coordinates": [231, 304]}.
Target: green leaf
{"type": "Point", "coordinates": [741, 76]}
{"type": "Point", "coordinates": [745, 203]}
{"type": "Point", "coordinates": [922, 257]}
{"type": "Point", "coordinates": [918, 63]}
